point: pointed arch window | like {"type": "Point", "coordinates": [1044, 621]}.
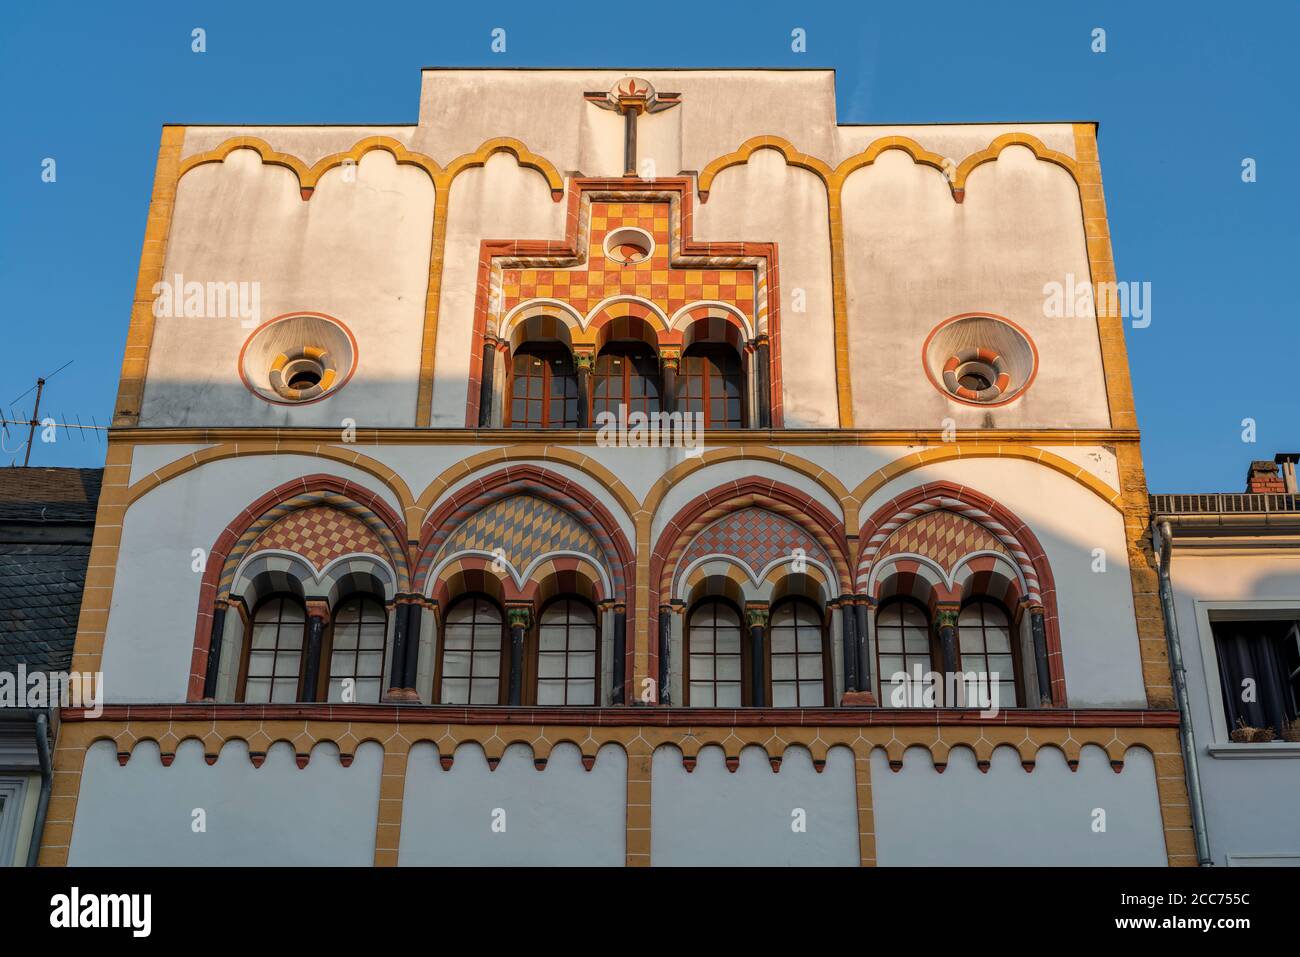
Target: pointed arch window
{"type": "Point", "coordinates": [471, 653]}
{"type": "Point", "coordinates": [271, 668]}
{"type": "Point", "coordinates": [567, 649]}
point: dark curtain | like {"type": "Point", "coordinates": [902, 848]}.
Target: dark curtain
{"type": "Point", "coordinates": [1253, 650]}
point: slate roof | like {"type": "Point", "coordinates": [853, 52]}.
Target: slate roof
{"type": "Point", "coordinates": [42, 577]}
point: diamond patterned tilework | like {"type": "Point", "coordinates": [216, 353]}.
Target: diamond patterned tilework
{"type": "Point", "coordinates": [755, 536]}
{"type": "Point", "coordinates": [599, 278]}
{"type": "Point", "coordinates": [945, 537]}
{"type": "Point", "coordinates": [523, 527]}
{"type": "Point", "coordinates": [320, 535]}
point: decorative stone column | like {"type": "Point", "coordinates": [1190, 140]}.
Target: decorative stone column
{"type": "Point", "coordinates": [620, 653]}
{"type": "Point", "coordinates": [946, 618]}
{"type": "Point", "coordinates": [583, 361]}
{"type": "Point", "coordinates": [763, 379]}
{"type": "Point", "coordinates": [213, 670]}
{"type": "Point", "coordinates": [520, 617]}
{"type": "Point", "coordinates": [665, 644]}
{"type": "Point", "coordinates": [487, 379]}
{"type": "Point", "coordinates": [756, 618]}
{"type": "Point", "coordinates": [669, 362]}
{"type": "Point", "coordinates": [318, 615]}
{"type": "Point", "coordinates": [857, 652]}
{"type": "Point", "coordinates": [406, 650]}
{"type": "Point", "coordinates": [1038, 629]}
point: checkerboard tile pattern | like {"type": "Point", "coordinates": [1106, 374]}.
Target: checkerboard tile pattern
{"type": "Point", "coordinates": [944, 537]}
{"type": "Point", "coordinates": [320, 535]}
{"type": "Point", "coordinates": [585, 285]}
{"type": "Point", "coordinates": [524, 527]}
{"type": "Point", "coordinates": [754, 535]}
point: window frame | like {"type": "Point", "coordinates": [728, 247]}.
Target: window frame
{"type": "Point", "coordinates": [1013, 636]}
{"type": "Point", "coordinates": [746, 655]}
{"type": "Point", "coordinates": [503, 667]}
{"type": "Point", "coordinates": [544, 351]}
{"type": "Point", "coordinates": [1210, 610]}
{"type": "Point", "coordinates": [241, 685]}
{"type": "Point", "coordinates": [595, 377]}
{"type": "Point", "coordinates": [532, 652]}
{"type": "Point", "coordinates": [327, 648]}
{"type": "Point", "coordinates": [708, 374]}
{"type": "Point", "coordinates": [932, 639]}
{"type": "Point", "coordinates": [828, 688]}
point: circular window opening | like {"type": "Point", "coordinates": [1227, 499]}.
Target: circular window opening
{"type": "Point", "coordinates": [629, 245]}
{"type": "Point", "coordinates": [305, 374]}
{"type": "Point", "coordinates": [979, 359]}
{"type": "Point", "coordinates": [976, 376]}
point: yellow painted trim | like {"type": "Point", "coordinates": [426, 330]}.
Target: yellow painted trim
{"type": "Point", "coordinates": [139, 336]}
{"type": "Point", "coordinates": [741, 155]}
{"type": "Point", "coordinates": [259, 146]}
{"type": "Point", "coordinates": [995, 148]}
{"type": "Point", "coordinates": [908, 463]}
{"type": "Point", "coordinates": [639, 742]}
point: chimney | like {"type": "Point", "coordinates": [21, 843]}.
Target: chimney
{"type": "Point", "coordinates": [1288, 462]}
{"type": "Point", "coordinates": [1262, 479]}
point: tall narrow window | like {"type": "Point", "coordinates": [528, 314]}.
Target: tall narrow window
{"type": "Point", "coordinates": [544, 388]}
{"type": "Point", "coordinates": [473, 640]}
{"type": "Point", "coordinates": [357, 640]}
{"type": "Point", "coordinates": [798, 664]}
{"type": "Point", "coordinates": [987, 655]}
{"type": "Point", "coordinates": [626, 373]}
{"type": "Point", "coordinates": [272, 665]}
{"type": "Point", "coordinates": [904, 656]}
{"type": "Point", "coordinates": [711, 382]}
{"type": "Point", "coordinates": [567, 654]}
{"type": "Point", "coordinates": [714, 656]}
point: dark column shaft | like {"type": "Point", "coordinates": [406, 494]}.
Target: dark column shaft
{"type": "Point", "coordinates": [214, 652]}
{"type": "Point", "coordinates": [315, 633]}
{"type": "Point", "coordinates": [397, 668]}
{"type": "Point", "coordinates": [764, 382]}
{"type": "Point", "coordinates": [516, 662]}
{"type": "Point", "coordinates": [861, 613]}
{"type": "Point", "coordinates": [584, 397]}
{"type": "Point", "coordinates": [412, 653]}
{"type": "Point", "coordinates": [1038, 629]}
{"type": "Point", "coordinates": [665, 637]}
{"type": "Point", "coordinates": [486, 384]}
{"type": "Point", "coordinates": [849, 631]}
{"type": "Point", "coordinates": [629, 142]}
{"type": "Point", "coordinates": [620, 654]}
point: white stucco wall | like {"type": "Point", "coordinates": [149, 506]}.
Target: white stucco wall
{"type": "Point", "coordinates": [276, 815]}
{"type": "Point", "coordinates": [749, 817]}
{"type": "Point", "coordinates": [1006, 817]}
{"type": "Point", "coordinates": [514, 815]}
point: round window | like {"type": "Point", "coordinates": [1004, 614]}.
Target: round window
{"type": "Point", "coordinates": [298, 357]}
{"type": "Point", "coordinates": [629, 245]}
{"type": "Point", "coordinates": [980, 359]}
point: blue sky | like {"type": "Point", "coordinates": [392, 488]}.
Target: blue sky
{"type": "Point", "coordinates": [1181, 101]}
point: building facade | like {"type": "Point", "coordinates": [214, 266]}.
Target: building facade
{"type": "Point", "coordinates": [1233, 576]}
{"type": "Point", "coordinates": [613, 468]}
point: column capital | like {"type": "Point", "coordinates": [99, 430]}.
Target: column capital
{"type": "Point", "coordinates": [756, 614]}
{"type": "Point", "coordinates": [519, 616]}
{"type": "Point", "coordinates": [670, 357]}
{"type": "Point", "coordinates": [318, 608]}
{"type": "Point", "coordinates": [945, 614]}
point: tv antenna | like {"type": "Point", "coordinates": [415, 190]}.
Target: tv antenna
{"type": "Point", "coordinates": [35, 422]}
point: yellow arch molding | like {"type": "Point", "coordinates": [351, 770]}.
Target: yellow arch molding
{"type": "Point", "coordinates": [260, 146]}
{"type": "Point", "coordinates": [994, 149]}
{"type": "Point", "coordinates": [359, 149]}
{"type": "Point", "coordinates": [390, 479]}
{"type": "Point", "coordinates": [868, 156]}
{"type": "Point", "coordinates": [878, 479]}
{"type": "Point", "coordinates": [741, 155]}
{"type": "Point", "coordinates": [433, 493]}
{"type": "Point", "coordinates": [522, 154]}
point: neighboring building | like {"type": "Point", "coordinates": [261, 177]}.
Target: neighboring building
{"type": "Point", "coordinates": [376, 581]}
{"type": "Point", "coordinates": [1234, 567]}
{"type": "Point", "coordinates": [46, 520]}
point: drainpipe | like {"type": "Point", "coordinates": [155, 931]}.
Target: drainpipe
{"type": "Point", "coordinates": [47, 784]}
{"type": "Point", "coordinates": [1184, 707]}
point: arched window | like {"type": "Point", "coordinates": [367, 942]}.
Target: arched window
{"type": "Point", "coordinates": [567, 653]}
{"type": "Point", "coordinates": [988, 651]}
{"type": "Point", "coordinates": [903, 645]}
{"type": "Point", "coordinates": [797, 666]}
{"type": "Point", "coordinates": [358, 638]}
{"type": "Point", "coordinates": [472, 651]}
{"type": "Point", "coordinates": [271, 670]}
{"type": "Point", "coordinates": [544, 388]}
{"type": "Point", "coordinates": [710, 381]}
{"type": "Point", "coordinates": [626, 373]}
{"type": "Point", "coordinates": [715, 656]}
